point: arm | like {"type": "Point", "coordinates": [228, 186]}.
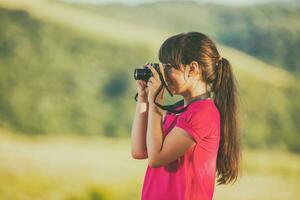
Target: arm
{"type": "Point", "coordinates": [154, 137]}
{"type": "Point", "coordinates": [139, 129]}
{"type": "Point", "coordinates": [162, 151]}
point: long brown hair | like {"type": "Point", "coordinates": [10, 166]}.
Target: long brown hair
{"type": "Point", "coordinates": [217, 73]}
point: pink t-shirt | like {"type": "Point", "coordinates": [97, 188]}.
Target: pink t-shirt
{"type": "Point", "coordinates": [192, 176]}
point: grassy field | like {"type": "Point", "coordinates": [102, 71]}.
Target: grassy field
{"type": "Point", "coordinates": [70, 167]}
{"type": "Point", "coordinates": [99, 168]}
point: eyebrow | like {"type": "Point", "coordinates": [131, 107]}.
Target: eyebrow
{"type": "Point", "coordinates": [168, 64]}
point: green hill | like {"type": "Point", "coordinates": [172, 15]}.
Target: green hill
{"type": "Point", "coordinates": [65, 69]}
{"type": "Point", "coordinates": [265, 31]}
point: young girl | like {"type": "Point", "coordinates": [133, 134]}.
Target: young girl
{"type": "Point", "coordinates": [186, 151]}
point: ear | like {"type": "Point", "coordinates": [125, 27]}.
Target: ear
{"type": "Point", "coordinates": [185, 69]}
{"type": "Point", "coordinates": [190, 70]}
{"type": "Point", "coordinates": [194, 68]}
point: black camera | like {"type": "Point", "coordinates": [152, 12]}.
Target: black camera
{"type": "Point", "coordinates": [145, 73]}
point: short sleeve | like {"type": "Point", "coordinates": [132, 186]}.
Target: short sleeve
{"type": "Point", "coordinates": [197, 123]}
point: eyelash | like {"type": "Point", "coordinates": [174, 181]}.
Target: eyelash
{"type": "Point", "coordinates": [168, 67]}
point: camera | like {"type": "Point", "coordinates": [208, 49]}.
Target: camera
{"type": "Point", "coordinates": [145, 73]}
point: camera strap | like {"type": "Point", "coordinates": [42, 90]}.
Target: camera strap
{"type": "Point", "coordinates": [171, 108]}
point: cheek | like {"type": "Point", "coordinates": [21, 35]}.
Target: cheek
{"type": "Point", "coordinates": [175, 81]}
{"type": "Point", "coordinates": [171, 78]}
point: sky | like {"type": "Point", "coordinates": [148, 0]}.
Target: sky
{"type": "Point", "coordinates": [224, 2]}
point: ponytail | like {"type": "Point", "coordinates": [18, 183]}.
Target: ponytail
{"type": "Point", "coordinates": [225, 97]}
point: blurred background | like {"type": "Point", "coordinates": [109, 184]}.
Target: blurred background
{"type": "Point", "coordinates": [67, 92]}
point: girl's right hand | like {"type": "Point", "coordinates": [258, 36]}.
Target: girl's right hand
{"type": "Point", "coordinates": [142, 90]}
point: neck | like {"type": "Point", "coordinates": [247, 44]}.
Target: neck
{"type": "Point", "coordinates": [193, 92]}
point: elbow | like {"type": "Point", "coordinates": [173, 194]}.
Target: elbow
{"type": "Point", "coordinates": [139, 155]}
{"type": "Point", "coordinates": [154, 163]}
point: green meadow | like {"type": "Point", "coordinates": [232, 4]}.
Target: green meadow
{"type": "Point", "coordinates": [67, 89]}
{"type": "Point", "coordinates": [96, 168]}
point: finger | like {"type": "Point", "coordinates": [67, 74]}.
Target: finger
{"type": "Point", "coordinates": [161, 68]}
{"type": "Point", "coordinates": [140, 83]}
{"type": "Point", "coordinates": [154, 72]}
{"type": "Point", "coordinates": [151, 80]}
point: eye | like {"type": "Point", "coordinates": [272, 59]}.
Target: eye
{"type": "Point", "coordinates": [168, 67]}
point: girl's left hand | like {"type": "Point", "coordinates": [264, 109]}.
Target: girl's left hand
{"type": "Point", "coordinates": [154, 84]}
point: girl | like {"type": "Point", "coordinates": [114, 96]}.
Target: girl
{"type": "Point", "coordinates": [186, 151]}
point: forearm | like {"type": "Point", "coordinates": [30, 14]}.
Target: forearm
{"type": "Point", "coordinates": [154, 137]}
{"type": "Point", "coordinates": [139, 129]}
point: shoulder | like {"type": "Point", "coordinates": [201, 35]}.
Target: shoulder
{"type": "Point", "coordinates": [205, 107]}
{"type": "Point", "coordinates": [202, 108]}
{"type": "Point", "coordinates": [200, 119]}
{"type": "Point", "coordinates": [200, 115]}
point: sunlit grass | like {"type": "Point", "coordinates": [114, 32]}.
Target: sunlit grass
{"type": "Point", "coordinates": [69, 167]}
{"type": "Point", "coordinates": [65, 167]}
{"type": "Point", "coordinates": [48, 168]}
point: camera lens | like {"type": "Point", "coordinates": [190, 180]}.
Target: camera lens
{"type": "Point", "coordinates": [142, 74]}
{"type": "Point", "coordinates": [145, 73]}
{"type": "Point", "coordinates": [138, 74]}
